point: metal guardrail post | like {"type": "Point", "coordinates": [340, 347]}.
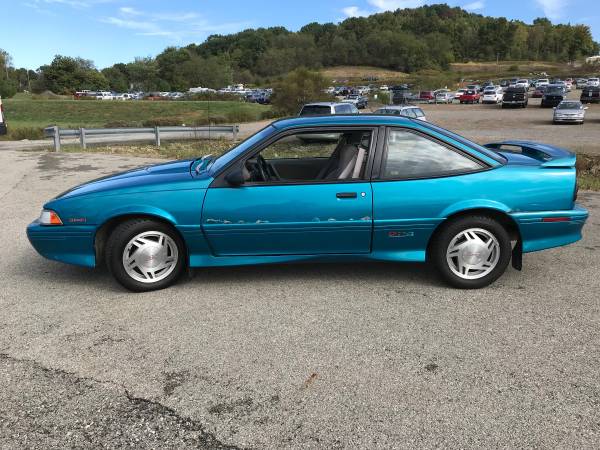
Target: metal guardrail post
{"type": "Point", "coordinates": [157, 136]}
{"type": "Point", "coordinates": [56, 136]}
{"type": "Point", "coordinates": [236, 129]}
{"type": "Point", "coordinates": [82, 140]}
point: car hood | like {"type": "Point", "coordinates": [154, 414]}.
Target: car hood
{"type": "Point", "coordinates": [175, 174]}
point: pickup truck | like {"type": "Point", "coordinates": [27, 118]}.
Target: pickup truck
{"type": "Point", "coordinates": [515, 96]}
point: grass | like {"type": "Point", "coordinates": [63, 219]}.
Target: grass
{"type": "Point", "coordinates": [27, 116]}
{"type": "Point", "coordinates": [171, 150]}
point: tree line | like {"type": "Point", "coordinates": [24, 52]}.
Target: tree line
{"type": "Point", "coordinates": [408, 40]}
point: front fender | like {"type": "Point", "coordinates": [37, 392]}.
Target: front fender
{"type": "Point", "coordinates": [142, 210]}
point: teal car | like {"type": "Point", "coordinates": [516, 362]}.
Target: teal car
{"type": "Point", "coordinates": [375, 187]}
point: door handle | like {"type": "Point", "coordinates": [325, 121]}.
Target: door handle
{"type": "Point", "coordinates": [346, 195]}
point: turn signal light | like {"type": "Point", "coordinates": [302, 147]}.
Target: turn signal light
{"type": "Point", "coordinates": [49, 217]}
{"type": "Point", "coordinates": [556, 219]}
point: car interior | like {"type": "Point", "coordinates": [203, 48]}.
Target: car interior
{"type": "Point", "coordinates": [324, 156]}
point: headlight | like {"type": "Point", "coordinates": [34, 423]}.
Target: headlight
{"type": "Point", "coordinates": [49, 217]}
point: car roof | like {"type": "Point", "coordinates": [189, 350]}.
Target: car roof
{"type": "Point", "coordinates": [323, 104]}
{"type": "Point", "coordinates": [342, 119]}
{"type": "Point", "coordinates": [398, 107]}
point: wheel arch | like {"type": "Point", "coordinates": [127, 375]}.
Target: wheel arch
{"type": "Point", "coordinates": [501, 216]}
{"type": "Point", "coordinates": [106, 228]}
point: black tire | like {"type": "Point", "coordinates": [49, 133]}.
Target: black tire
{"type": "Point", "coordinates": [121, 236]}
{"type": "Point", "coordinates": [446, 234]}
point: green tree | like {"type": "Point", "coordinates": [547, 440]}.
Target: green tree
{"type": "Point", "coordinates": [298, 88]}
{"type": "Point", "coordinates": [65, 75]}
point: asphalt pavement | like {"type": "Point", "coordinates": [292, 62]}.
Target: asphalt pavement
{"type": "Point", "coordinates": [290, 356]}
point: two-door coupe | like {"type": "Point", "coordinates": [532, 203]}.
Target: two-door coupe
{"type": "Point", "coordinates": [375, 187]}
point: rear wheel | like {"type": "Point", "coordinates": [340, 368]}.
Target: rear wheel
{"type": "Point", "coordinates": [471, 252]}
{"type": "Point", "coordinates": [145, 255]}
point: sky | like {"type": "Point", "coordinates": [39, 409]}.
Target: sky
{"type": "Point", "coordinates": [111, 31]}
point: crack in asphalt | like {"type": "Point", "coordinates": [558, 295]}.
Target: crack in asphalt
{"type": "Point", "coordinates": [195, 434]}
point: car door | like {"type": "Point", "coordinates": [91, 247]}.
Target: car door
{"type": "Point", "coordinates": [302, 216]}
{"type": "Point", "coordinates": [417, 178]}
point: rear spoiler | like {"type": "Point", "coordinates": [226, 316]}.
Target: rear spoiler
{"type": "Point", "coordinates": [548, 155]}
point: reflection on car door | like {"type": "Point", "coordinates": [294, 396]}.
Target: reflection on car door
{"type": "Point", "coordinates": [289, 219]}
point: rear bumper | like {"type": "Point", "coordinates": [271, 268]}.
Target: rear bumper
{"type": "Point", "coordinates": [68, 244]}
{"type": "Point", "coordinates": [548, 229]}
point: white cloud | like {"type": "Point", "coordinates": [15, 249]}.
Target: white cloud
{"type": "Point", "coordinates": [354, 11]}
{"type": "Point", "coordinates": [392, 5]}
{"type": "Point", "coordinates": [553, 9]}
{"type": "Point", "coordinates": [475, 6]}
{"type": "Point", "coordinates": [129, 11]}
{"type": "Point", "coordinates": [176, 26]}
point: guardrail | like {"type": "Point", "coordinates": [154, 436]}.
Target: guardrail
{"type": "Point", "coordinates": [57, 133]}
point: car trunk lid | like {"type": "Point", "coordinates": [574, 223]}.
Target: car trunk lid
{"type": "Point", "coordinates": [534, 153]}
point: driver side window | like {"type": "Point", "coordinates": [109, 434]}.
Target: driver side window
{"type": "Point", "coordinates": [311, 157]}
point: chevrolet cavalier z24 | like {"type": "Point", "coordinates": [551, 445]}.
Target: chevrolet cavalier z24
{"type": "Point", "coordinates": [336, 188]}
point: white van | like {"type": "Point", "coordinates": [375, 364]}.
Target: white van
{"type": "Point", "coordinates": [2, 122]}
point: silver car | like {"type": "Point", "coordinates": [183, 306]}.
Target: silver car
{"type": "Point", "coordinates": [569, 111]}
{"type": "Point", "coordinates": [414, 112]}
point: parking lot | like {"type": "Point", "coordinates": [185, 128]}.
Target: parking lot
{"type": "Point", "coordinates": [304, 356]}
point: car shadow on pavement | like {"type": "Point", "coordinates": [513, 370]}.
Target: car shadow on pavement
{"type": "Point", "coordinates": [45, 271]}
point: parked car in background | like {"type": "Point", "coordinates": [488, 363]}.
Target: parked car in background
{"type": "Point", "coordinates": [3, 128]}
{"type": "Point", "coordinates": [328, 108]}
{"type": "Point", "coordinates": [384, 88]}
{"type": "Point", "coordinates": [104, 95]}
{"type": "Point", "coordinates": [580, 83]}
{"type": "Point", "coordinates": [539, 91]}
{"type": "Point", "coordinates": [444, 96]}
{"type": "Point", "coordinates": [524, 83]}
{"type": "Point", "coordinates": [432, 196]}
{"type": "Point", "coordinates": [590, 94]}
{"type": "Point", "coordinates": [401, 94]}
{"type": "Point", "coordinates": [426, 96]}
{"type": "Point", "coordinates": [411, 111]}
{"type": "Point", "coordinates": [594, 82]}
{"type": "Point", "coordinates": [357, 100]}
{"type": "Point", "coordinates": [569, 111]}
{"type": "Point", "coordinates": [470, 96]}
{"type": "Point", "coordinates": [515, 97]}
{"type": "Point", "coordinates": [459, 92]}
{"type": "Point", "coordinates": [542, 82]}
{"type": "Point", "coordinates": [492, 95]}
{"type": "Point", "coordinates": [555, 93]}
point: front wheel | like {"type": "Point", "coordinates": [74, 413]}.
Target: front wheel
{"type": "Point", "coordinates": [145, 255]}
{"type": "Point", "coordinates": [471, 252]}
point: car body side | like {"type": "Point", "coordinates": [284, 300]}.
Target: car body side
{"type": "Point", "coordinates": [402, 217]}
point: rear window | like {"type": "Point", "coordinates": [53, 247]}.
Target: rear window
{"type": "Point", "coordinates": [419, 112]}
{"type": "Point", "coordinates": [315, 110]}
{"type": "Point", "coordinates": [515, 90]}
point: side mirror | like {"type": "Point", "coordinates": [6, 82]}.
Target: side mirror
{"type": "Point", "coordinates": [235, 177]}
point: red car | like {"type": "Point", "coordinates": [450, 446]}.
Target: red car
{"type": "Point", "coordinates": [539, 92]}
{"type": "Point", "coordinates": [470, 96]}
{"type": "Point", "coordinates": [426, 96]}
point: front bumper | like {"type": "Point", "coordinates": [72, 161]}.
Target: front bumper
{"type": "Point", "coordinates": [538, 233]}
{"type": "Point", "coordinates": [573, 119]}
{"type": "Point", "coordinates": [69, 244]}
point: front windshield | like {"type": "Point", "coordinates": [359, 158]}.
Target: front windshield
{"type": "Point", "coordinates": [570, 105]}
{"type": "Point", "coordinates": [554, 90]}
{"type": "Point", "coordinates": [237, 150]}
